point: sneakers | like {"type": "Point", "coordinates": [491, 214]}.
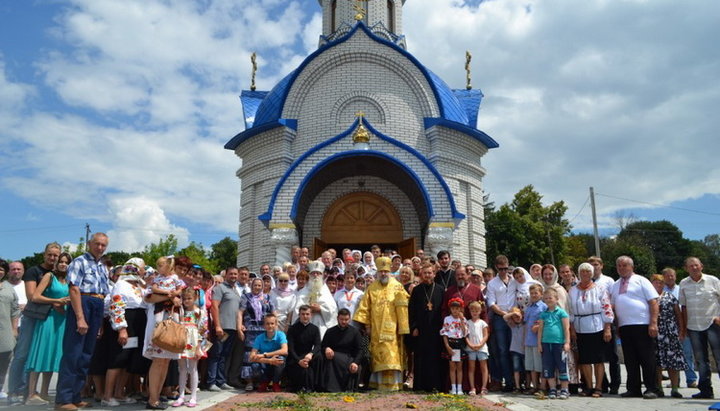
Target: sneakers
{"type": "Point", "coordinates": [675, 394]}
{"type": "Point", "coordinates": [14, 399]}
{"type": "Point", "coordinates": [552, 394]}
{"type": "Point", "coordinates": [262, 387]}
{"type": "Point", "coordinates": [276, 387]}
{"type": "Point", "coordinates": [226, 387]}
{"type": "Point", "coordinates": [179, 402]}
{"type": "Point", "coordinates": [191, 404]}
{"type": "Point", "coordinates": [249, 387]}
{"type": "Point", "coordinates": [564, 395]}
{"type": "Point", "coordinates": [112, 402]}
{"type": "Point", "coordinates": [692, 384]}
{"type": "Point", "coordinates": [214, 388]}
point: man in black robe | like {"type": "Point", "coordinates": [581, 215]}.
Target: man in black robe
{"type": "Point", "coordinates": [341, 356]}
{"type": "Point", "coordinates": [445, 274]}
{"type": "Point", "coordinates": [303, 352]}
{"type": "Point", "coordinates": [424, 310]}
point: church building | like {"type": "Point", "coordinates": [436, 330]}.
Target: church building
{"type": "Point", "coordinates": [361, 144]}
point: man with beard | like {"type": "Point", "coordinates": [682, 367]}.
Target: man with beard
{"type": "Point", "coordinates": [317, 295]}
{"type": "Point", "coordinates": [341, 355]}
{"type": "Point", "coordinates": [425, 322]}
{"type": "Point", "coordinates": [445, 275]}
{"type": "Point", "coordinates": [384, 312]}
{"type": "Point", "coordinates": [466, 291]}
{"type": "Point", "coordinates": [303, 352]}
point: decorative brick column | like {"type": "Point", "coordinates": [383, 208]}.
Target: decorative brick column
{"type": "Point", "coordinates": [282, 238]}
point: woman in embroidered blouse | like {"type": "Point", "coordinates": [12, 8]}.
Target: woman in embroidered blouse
{"type": "Point", "coordinates": [253, 307]}
{"type": "Point", "coordinates": [590, 318]}
{"type": "Point", "coordinates": [128, 319]}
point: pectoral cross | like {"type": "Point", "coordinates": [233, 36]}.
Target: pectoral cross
{"type": "Point", "coordinates": [429, 306]}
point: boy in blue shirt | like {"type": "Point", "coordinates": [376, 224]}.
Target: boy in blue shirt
{"type": "Point", "coordinates": [269, 352]}
{"type": "Point", "coordinates": [554, 335]}
{"type": "Point", "coordinates": [533, 358]}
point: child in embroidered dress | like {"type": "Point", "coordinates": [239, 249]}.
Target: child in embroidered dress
{"type": "Point", "coordinates": [166, 282]}
{"type": "Point", "coordinates": [454, 331]}
{"type": "Point", "coordinates": [195, 321]}
{"type": "Point", "coordinates": [477, 349]}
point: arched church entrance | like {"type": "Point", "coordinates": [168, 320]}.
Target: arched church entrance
{"type": "Point", "coordinates": [359, 220]}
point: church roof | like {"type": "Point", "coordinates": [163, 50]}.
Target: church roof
{"type": "Point", "coordinates": [251, 100]}
{"type": "Point", "coordinates": [450, 107]}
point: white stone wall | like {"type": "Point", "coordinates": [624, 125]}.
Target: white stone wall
{"type": "Point", "coordinates": [360, 75]}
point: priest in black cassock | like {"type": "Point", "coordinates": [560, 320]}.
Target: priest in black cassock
{"type": "Point", "coordinates": [425, 309]}
{"type": "Point", "coordinates": [341, 356]}
{"type": "Point", "coordinates": [303, 352]}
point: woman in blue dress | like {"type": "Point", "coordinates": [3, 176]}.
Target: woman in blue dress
{"type": "Point", "coordinates": [46, 347]}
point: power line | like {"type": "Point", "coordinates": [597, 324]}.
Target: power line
{"type": "Point", "coordinates": [581, 210]}
{"type": "Point", "coordinates": [659, 205]}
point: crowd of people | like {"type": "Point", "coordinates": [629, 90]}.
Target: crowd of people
{"type": "Point", "coordinates": [345, 322]}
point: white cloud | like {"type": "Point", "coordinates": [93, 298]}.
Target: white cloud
{"type": "Point", "coordinates": [140, 221]}
{"type": "Point", "coordinates": [613, 95]}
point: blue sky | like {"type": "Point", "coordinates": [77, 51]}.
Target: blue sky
{"type": "Point", "coordinates": [115, 113]}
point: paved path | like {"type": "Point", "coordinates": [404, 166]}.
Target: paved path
{"type": "Point", "coordinates": [612, 402]}
{"type": "Point", "coordinates": [208, 399]}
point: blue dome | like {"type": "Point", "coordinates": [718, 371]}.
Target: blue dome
{"type": "Point", "coordinates": [271, 108]}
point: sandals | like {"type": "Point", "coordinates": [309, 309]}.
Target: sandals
{"type": "Point", "coordinates": [484, 392]}
{"type": "Point", "coordinates": [596, 394]}
{"type": "Point", "coordinates": [472, 392]}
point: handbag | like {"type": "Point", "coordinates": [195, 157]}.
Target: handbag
{"type": "Point", "coordinates": [170, 335]}
{"type": "Point", "coordinates": [36, 311]}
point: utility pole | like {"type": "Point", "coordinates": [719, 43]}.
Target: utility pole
{"type": "Point", "coordinates": [594, 217]}
{"type": "Point", "coordinates": [87, 235]}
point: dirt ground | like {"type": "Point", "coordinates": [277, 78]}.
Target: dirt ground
{"type": "Point", "coordinates": [356, 401]}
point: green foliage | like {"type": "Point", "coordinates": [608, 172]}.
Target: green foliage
{"type": "Point", "coordinates": [118, 257]}
{"type": "Point", "coordinates": [641, 254]}
{"type": "Point", "coordinates": [164, 247]}
{"type": "Point", "coordinates": [197, 253]}
{"type": "Point", "coordinates": [577, 250]}
{"type": "Point", "coordinates": [663, 238]}
{"type": "Point", "coordinates": [33, 260]}
{"type": "Point", "coordinates": [526, 231]}
{"type": "Point", "coordinates": [224, 253]}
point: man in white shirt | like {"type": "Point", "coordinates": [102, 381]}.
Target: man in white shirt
{"type": "Point", "coordinates": [500, 298]}
{"type": "Point", "coordinates": [636, 308]}
{"type": "Point", "coordinates": [700, 302]}
{"type": "Point", "coordinates": [15, 278]}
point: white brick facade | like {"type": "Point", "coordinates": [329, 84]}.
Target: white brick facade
{"type": "Point", "coordinates": [436, 168]}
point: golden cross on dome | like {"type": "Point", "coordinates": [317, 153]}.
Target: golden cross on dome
{"type": "Point", "coordinates": [360, 114]}
{"type": "Point", "coordinates": [361, 11]}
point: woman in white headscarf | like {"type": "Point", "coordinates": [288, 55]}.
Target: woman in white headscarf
{"type": "Point", "coordinates": [283, 298]}
{"type": "Point", "coordinates": [368, 263]}
{"type": "Point", "coordinates": [357, 256]}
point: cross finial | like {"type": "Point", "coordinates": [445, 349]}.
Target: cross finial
{"type": "Point", "coordinates": [361, 12]}
{"type": "Point", "coordinates": [253, 60]}
{"type": "Point", "coordinates": [360, 114]}
{"type": "Point", "coordinates": [468, 57]}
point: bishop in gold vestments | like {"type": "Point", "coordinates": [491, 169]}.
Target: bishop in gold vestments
{"type": "Point", "coordinates": [384, 312]}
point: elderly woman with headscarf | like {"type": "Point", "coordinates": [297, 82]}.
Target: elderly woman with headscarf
{"type": "Point", "coordinates": [283, 298]}
{"type": "Point", "coordinates": [128, 319]}
{"type": "Point", "coordinates": [253, 308]}
{"type": "Point", "coordinates": [368, 263]}
{"type": "Point", "coordinates": [590, 319]}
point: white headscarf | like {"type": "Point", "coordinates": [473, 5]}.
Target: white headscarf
{"type": "Point", "coordinates": [370, 268]}
{"type": "Point", "coordinates": [522, 290]}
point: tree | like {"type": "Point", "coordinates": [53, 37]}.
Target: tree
{"type": "Point", "coordinates": [224, 253]}
{"type": "Point", "coordinates": [118, 257]}
{"type": "Point", "coordinates": [198, 255]}
{"type": "Point", "coordinates": [663, 238]}
{"type": "Point", "coordinates": [577, 250]}
{"type": "Point", "coordinates": [164, 247]}
{"type": "Point", "coordinates": [641, 254]}
{"type": "Point", "coordinates": [526, 231]}
{"type": "Point", "coordinates": [33, 260]}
